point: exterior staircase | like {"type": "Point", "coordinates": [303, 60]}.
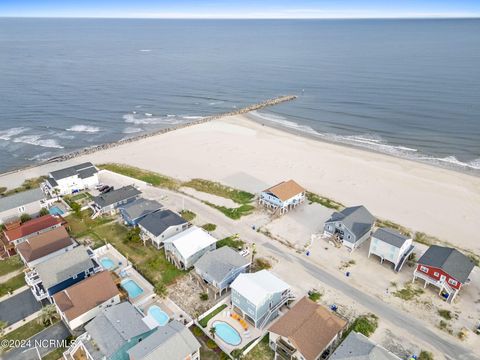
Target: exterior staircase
{"type": "Point", "coordinates": [289, 296]}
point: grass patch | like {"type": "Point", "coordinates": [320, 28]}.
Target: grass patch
{"type": "Point", "coordinates": [12, 284]}
{"type": "Point", "coordinates": [188, 215]}
{"type": "Point", "coordinates": [425, 239]}
{"type": "Point", "coordinates": [215, 188]}
{"type": "Point", "coordinates": [24, 332]}
{"type": "Point", "coordinates": [329, 203]}
{"type": "Point", "coordinates": [233, 213]}
{"type": "Point", "coordinates": [314, 296]}
{"type": "Point", "coordinates": [143, 175]}
{"type": "Point", "coordinates": [446, 314]}
{"type": "Point", "coordinates": [261, 351]}
{"type": "Point", "coordinates": [261, 264]}
{"type": "Point", "coordinates": [364, 324]}
{"type": "Point", "coordinates": [203, 323]}
{"type": "Point", "coordinates": [209, 227]}
{"type": "Point", "coordinates": [232, 241]}
{"type": "Point", "coordinates": [409, 292]}
{"type": "Point", "coordinates": [27, 185]}
{"type": "Point", "coordinates": [10, 265]}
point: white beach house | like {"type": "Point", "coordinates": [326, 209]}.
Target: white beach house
{"type": "Point", "coordinates": [185, 248]}
{"type": "Point", "coordinates": [283, 197]}
{"type": "Point", "coordinates": [71, 179]}
{"type": "Point", "coordinates": [26, 202]}
{"type": "Point", "coordinates": [388, 244]}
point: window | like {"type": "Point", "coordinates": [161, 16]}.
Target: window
{"type": "Point", "coordinates": [436, 274]}
{"type": "Point", "coordinates": [424, 269]}
{"type": "Point", "coordinates": [21, 209]}
{"type": "Point", "coordinates": [452, 282]}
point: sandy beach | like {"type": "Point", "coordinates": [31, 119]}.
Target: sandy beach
{"type": "Point", "coordinates": [244, 154]}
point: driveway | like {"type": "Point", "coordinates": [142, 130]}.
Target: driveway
{"type": "Point", "coordinates": [18, 307]}
{"type": "Point", "coordinates": [45, 342]}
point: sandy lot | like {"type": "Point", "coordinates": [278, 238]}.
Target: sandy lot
{"type": "Point", "coordinates": [247, 155]}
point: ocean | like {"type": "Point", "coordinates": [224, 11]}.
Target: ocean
{"type": "Point", "coordinates": [408, 88]}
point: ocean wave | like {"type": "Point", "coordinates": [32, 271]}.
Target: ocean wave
{"type": "Point", "coordinates": [9, 133]}
{"type": "Point", "coordinates": [84, 128]}
{"type": "Point", "coordinates": [37, 141]}
{"type": "Point", "coordinates": [40, 157]}
{"type": "Point", "coordinates": [151, 120]}
{"type": "Point", "coordinates": [132, 130]}
{"type": "Point", "coordinates": [144, 50]}
{"type": "Point", "coordinates": [192, 117]}
{"type": "Point", "coordinates": [370, 141]}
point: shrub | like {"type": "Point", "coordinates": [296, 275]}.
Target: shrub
{"type": "Point", "coordinates": [211, 344]}
{"type": "Point", "coordinates": [25, 217]}
{"type": "Point", "coordinates": [197, 331]}
{"type": "Point", "coordinates": [204, 296]}
{"type": "Point", "coordinates": [314, 296]}
{"type": "Point", "coordinates": [365, 324]}
{"type": "Point", "coordinates": [161, 290]}
{"type": "Point", "coordinates": [425, 355]}
{"type": "Point", "coordinates": [446, 314]}
{"type": "Point", "coordinates": [188, 215]}
{"type": "Point", "coordinates": [209, 227]}
{"type": "Point", "coordinates": [43, 212]}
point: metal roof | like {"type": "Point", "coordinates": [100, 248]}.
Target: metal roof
{"type": "Point", "coordinates": [172, 341]}
{"type": "Point", "coordinates": [219, 263]}
{"type": "Point", "coordinates": [157, 222]}
{"type": "Point", "coordinates": [450, 260]}
{"type": "Point", "coordinates": [140, 208]}
{"type": "Point", "coordinates": [116, 196]}
{"type": "Point", "coordinates": [191, 241]}
{"type": "Point", "coordinates": [390, 236]}
{"type": "Point", "coordinates": [20, 199]}
{"type": "Point", "coordinates": [85, 168]}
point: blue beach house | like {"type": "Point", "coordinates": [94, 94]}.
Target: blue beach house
{"type": "Point", "coordinates": [136, 210]}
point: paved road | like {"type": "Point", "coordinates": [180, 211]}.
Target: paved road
{"type": "Point", "coordinates": [18, 307]}
{"type": "Point", "coordinates": [46, 341]}
{"type": "Point", "coordinates": [451, 348]}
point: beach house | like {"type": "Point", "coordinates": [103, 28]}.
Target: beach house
{"type": "Point", "coordinates": [357, 346]}
{"type": "Point", "coordinates": [45, 246]}
{"type": "Point", "coordinates": [115, 330]}
{"type": "Point", "coordinates": [351, 226]}
{"type": "Point", "coordinates": [109, 202]}
{"type": "Point", "coordinates": [81, 302]}
{"type": "Point", "coordinates": [136, 210]}
{"type": "Point", "coordinates": [282, 197]}
{"type": "Point", "coordinates": [161, 225]}
{"type": "Point", "coordinates": [219, 268]}
{"type": "Point", "coordinates": [61, 271]}
{"type": "Point", "coordinates": [172, 341]}
{"type": "Point", "coordinates": [388, 244]}
{"type": "Point", "coordinates": [306, 331]}
{"type": "Point", "coordinates": [258, 297]}
{"type": "Point", "coordinates": [185, 248]}
{"type": "Point", "coordinates": [71, 179]}
{"type": "Point", "coordinates": [15, 232]}
{"type": "Point", "coordinates": [26, 202]}
{"type": "Point", "coordinates": [446, 268]}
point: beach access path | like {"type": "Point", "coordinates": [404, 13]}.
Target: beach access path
{"type": "Point", "coordinates": [246, 155]}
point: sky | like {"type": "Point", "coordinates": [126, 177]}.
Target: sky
{"type": "Point", "coordinates": [240, 8]}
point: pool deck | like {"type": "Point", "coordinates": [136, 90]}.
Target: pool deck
{"type": "Point", "coordinates": [124, 270]}
{"type": "Point", "coordinates": [252, 334]}
{"type": "Point", "coordinates": [169, 307]}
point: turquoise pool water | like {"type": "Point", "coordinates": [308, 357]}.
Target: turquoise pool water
{"type": "Point", "coordinates": [55, 210]}
{"type": "Point", "coordinates": [158, 314]}
{"type": "Point", "coordinates": [132, 288]}
{"type": "Point", "coordinates": [107, 263]}
{"type": "Point", "coordinates": [227, 333]}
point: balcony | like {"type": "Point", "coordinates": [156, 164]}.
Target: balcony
{"type": "Point", "coordinates": [284, 350]}
{"type": "Point", "coordinates": [32, 278]}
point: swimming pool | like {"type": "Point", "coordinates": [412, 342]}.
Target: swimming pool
{"type": "Point", "coordinates": [227, 333]}
{"type": "Point", "coordinates": [55, 210]}
{"type": "Point", "coordinates": [132, 288]}
{"type": "Point", "coordinates": [107, 263]}
{"type": "Point", "coordinates": [158, 314]}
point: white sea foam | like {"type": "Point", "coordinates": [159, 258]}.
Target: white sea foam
{"type": "Point", "coordinates": [9, 133]}
{"type": "Point", "coordinates": [145, 50]}
{"type": "Point", "coordinates": [137, 119]}
{"type": "Point", "coordinates": [40, 157]}
{"type": "Point", "coordinates": [37, 141]}
{"type": "Point", "coordinates": [132, 130]}
{"type": "Point", "coordinates": [84, 128]}
{"type": "Point", "coordinates": [280, 120]}
{"type": "Point", "coordinates": [192, 117]}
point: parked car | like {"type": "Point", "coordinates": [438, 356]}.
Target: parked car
{"type": "Point", "coordinates": [99, 186]}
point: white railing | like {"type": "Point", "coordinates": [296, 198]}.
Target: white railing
{"type": "Point", "coordinates": [289, 296]}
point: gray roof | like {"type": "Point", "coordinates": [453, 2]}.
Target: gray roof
{"type": "Point", "coordinates": [85, 169]}
{"type": "Point", "coordinates": [52, 182]}
{"type": "Point", "coordinates": [115, 196]}
{"type": "Point", "coordinates": [64, 266]}
{"type": "Point", "coordinates": [220, 262]}
{"type": "Point", "coordinates": [450, 260]}
{"type": "Point", "coordinates": [357, 219]}
{"type": "Point", "coordinates": [141, 207]}
{"type": "Point", "coordinates": [157, 222]}
{"type": "Point", "coordinates": [390, 236]}
{"type": "Point", "coordinates": [172, 341]}
{"type": "Point", "coordinates": [358, 347]}
{"type": "Point", "coordinates": [19, 199]}
{"type": "Point", "coordinates": [114, 326]}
